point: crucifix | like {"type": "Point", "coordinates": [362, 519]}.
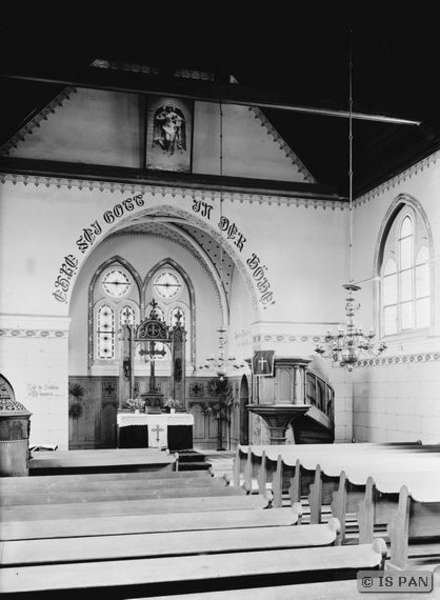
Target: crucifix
{"type": "Point", "coordinates": [152, 352]}
{"type": "Point", "coordinates": [153, 331]}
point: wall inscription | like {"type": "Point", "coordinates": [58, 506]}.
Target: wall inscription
{"type": "Point", "coordinates": [91, 233]}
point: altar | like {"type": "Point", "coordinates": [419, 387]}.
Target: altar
{"type": "Point", "coordinates": [165, 430]}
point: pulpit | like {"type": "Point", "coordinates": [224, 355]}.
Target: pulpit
{"type": "Point", "coordinates": [172, 431]}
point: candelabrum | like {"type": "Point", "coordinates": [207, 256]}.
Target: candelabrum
{"type": "Point", "coordinates": [349, 344]}
{"type": "Point", "coordinates": [222, 363]}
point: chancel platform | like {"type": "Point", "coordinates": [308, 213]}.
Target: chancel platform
{"type": "Point", "coordinates": [168, 430]}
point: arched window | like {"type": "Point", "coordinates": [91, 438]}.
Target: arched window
{"type": "Point", "coordinates": [404, 274]}
{"type": "Point", "coordinates": [169, 286]}
{"type": "Point", "coordinates": [115, 303]}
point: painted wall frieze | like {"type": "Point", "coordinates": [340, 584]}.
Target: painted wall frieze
{"type": "Point", "coordinates": [155, 190]}
{"type": "Point", "coordinates": [398, 179]}
{"type": "Point", "coordinates": [264, 121]}
{"type": "Point", "coordinates": [400, 360]}
{"type": "Point", "coordinates": [28, 333]}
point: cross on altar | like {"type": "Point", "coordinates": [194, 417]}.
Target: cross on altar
{"type": "Point", "coordinates": [157, 430]}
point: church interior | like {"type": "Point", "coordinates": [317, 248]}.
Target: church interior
{"type": "Point", "coordinates": [219, 316]}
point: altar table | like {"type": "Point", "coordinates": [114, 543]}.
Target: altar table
{"type": "Point", "coordinates": [172, 431]}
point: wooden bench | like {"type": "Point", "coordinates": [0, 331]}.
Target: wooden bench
{"type": "Point", "coordinates": [417, 518]}
{"type": "Point", "coordinates": [133, 507]}
{"type": "Point", "coordinates": [328, 590]}
{"type": "Point", "coordinates": [18, 484]}
{"type": "Point", "coordinates": [89, 492]}
{"type": "Point", "coordinates": [261, 468]}
{"type": "Point", "coordinates": [119, 525]}
{"type": "Point", "coordinates": [176, 543]}
{"type": "Point", "coordinates": [374, 500]}
{"type": "Point", "coordinates": [197, 573]}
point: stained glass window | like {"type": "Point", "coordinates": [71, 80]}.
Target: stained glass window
{"type": "Point", "coordinates": [116, 283]}
{"type": "Point", "coordinates": [127, 315]}
{"type": "Point", "coordinates": [167, 285]}
{"type": "Point", "coordinates": [173, 316]}
{"type": "Point", "coordinates": [106, 332]}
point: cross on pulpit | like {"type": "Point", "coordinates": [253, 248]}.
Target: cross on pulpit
{"type": "Point", "coordinates": [157, 429]}
{"type": "Point", "coordinates": [262, 362]}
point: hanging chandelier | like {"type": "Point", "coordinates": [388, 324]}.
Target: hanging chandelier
{"type": "Point", "coordinates": [222, 363]}
{"type": "Point", "coordinates": [350, 344]}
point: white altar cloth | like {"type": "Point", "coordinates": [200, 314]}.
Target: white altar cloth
{"type": "Point", "coordinates": [157, 424]}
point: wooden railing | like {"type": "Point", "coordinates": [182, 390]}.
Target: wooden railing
{"type": "Point", "coordinates": [320, 393]}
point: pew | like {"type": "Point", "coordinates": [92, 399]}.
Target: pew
{"type": "Point", "coordinates": [147, 523]}
{"type": "Point", "coordinates": [376, 499]}
{"type": "Point", "coordinates": [119, 494]}
{"type": "Point", "coordinates": [328, 590]}
{"type": "Point", "coordinates": [88, 492]}
{"type": "Point", "coordinates": [259, 470]}
{"type": "Point", "coordinates": [18, 484]}
{"type": "Point", "coordinates": [133, 507]}
{"type": "Point", "coordinates": [416, 518]}
{"type": "Point", "coordinates": [176, 543]}
{"type": "Point", "coordinates": [196, 573]}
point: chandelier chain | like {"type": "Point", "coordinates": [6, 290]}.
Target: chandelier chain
{"type": "Point", "coordinates": [348, 345]}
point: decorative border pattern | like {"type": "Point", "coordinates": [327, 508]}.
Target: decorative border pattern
{"type": "Point", "coordinates": [35, 122]}
{"type": "Point", "coordinates": [154, 190]}
{"type": "Point", "coordinates": [264, 121]}
{"type": "Point", "coordinates": [268, 337]}
{"type": "Point", "coordinates": [396, 360]}
{"type": "Point", "coordinates": [398, 179]}
{"type": "Point", "coordinates": [27, 333]}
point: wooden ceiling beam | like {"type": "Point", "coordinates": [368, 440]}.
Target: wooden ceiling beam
{"type": "Point", "coordinates": [128, 175]}
{"type": "Point", "coordinates": [208, 91]}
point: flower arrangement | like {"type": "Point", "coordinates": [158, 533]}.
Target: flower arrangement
{"type": "Point", "coordinates": [136, 403]}
{"type": "Point", "coordinates": [173, 403]}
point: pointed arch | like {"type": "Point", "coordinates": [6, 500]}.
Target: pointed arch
{"type": "Point", "coordinates": [169, 262]}
{"type": "Point", "coordinates": [112, 261]}
{"type": "Point", "coordinates": [404, 274]}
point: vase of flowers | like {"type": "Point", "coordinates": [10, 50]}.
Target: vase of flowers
{"type": "Point", "coordinates": [172, 405]}
{"type": "Point", "coordinates": [136, 404]}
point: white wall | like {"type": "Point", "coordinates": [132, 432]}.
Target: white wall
{"type": "Point", "coordinates": [397, 397]}
{"type": "Point", "coordinates": [33, 357]}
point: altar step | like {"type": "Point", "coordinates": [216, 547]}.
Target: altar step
{"type": "Point", "coordinates": [122, 460]}
{"type": "Point", "coordinates": [192, 460]}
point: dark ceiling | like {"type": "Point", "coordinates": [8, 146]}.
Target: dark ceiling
{"type": "Point", "coordinates": [290, 56]}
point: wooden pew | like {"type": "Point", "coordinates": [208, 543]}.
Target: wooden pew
{"type": "Point", "coordinates": [417, 518]}
{"type": "Point", "coordinates": [375, 500]}
{"type": "Point", "coordinates": [18, 484]}
{"type": "Point", "coordinates": [176, 543]}
{"type": "Point", "coordinates": [328, 590]}
{"type": "Point", "coordinates": [197, 573]}
{"type": "Point", "coordinates": [332, 458]}
{"type": "Point", "coordinates": [90, 492]}
{"type": "Point", "coordinates": [133, 507]}
{"type": "Point", "coordinates": [135, 524]}
{"type": "Point", "coordinates": [118, 494]}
